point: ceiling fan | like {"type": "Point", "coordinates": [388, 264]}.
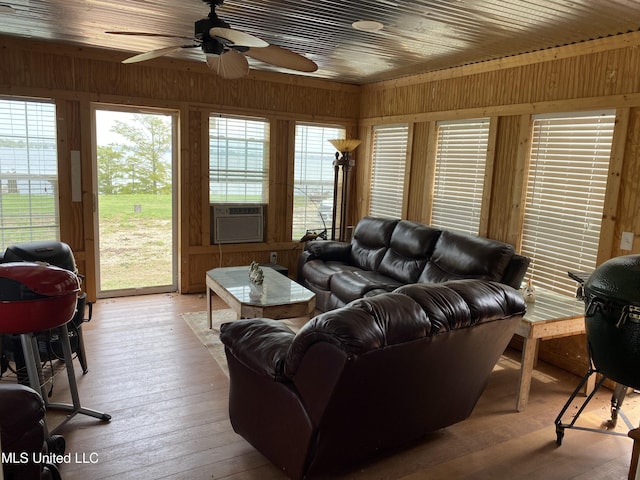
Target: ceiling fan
{"type": "Point", "coordinates": [225, 48]}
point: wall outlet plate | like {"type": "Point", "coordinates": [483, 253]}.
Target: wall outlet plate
{"type": "Point", "coordinates": [273, 257]}
{"type": "Point", "coordinates": [626, 242]}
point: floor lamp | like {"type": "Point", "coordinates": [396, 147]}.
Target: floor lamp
{"type": "Point", "coordinates": [343, 159]}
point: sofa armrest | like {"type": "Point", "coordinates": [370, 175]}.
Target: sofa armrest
{"type": "Point", "coordinates": [22, 409]}
{"type": "Point", "coordinates": [261, 344]}
{"type": "Point", "coordinates": [329, 250]}
{"type": "Point", "coordinates": [304, 257]}
{"type": "Point", "coordinates": [21, 423]}
{"type": "Point", "coordinates": [516, 271]}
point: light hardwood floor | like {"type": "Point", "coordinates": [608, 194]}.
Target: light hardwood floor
{"type": "Point", "coordinates": [168, 400]}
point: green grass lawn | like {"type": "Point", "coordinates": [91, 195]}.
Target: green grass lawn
{"type": "Point", "coordinates": [122, 207]}
{"type": "Point", "coordinates": [135, 241]}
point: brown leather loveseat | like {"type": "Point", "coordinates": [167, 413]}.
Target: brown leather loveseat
{"type": "Point", "coordinates": [368, 377]}
{"type": "Point", "coordinates": [387, 253]}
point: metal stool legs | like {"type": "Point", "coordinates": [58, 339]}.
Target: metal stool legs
{"type": "Point", "coordinates": [32, 360]}
{"type": "Point", "coordinates": [82, 356]}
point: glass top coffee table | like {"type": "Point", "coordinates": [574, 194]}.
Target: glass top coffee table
{"type": "Point", "coordinates": [278, 297]}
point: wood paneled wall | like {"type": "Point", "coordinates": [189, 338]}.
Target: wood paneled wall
{"type": "Point", "coordinates": [604, 74]}
{"type": "Point", "coordinates": [76, 78]}
{"type": "Point", "coordinates": [602, 78]}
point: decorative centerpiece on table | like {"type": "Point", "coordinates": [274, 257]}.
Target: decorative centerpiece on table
{"type": "Point", "coordinates": [256, 278]}
{"type": "Point", "coordinates": [529, 292]}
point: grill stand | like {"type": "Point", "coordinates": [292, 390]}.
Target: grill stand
{"type": "Point", "coordinates": [617, 398]}
{"type": "Point", "coordinates": [32, 360]}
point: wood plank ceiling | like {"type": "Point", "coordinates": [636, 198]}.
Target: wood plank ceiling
{"type": "Point", "coordinates": [417, 36]}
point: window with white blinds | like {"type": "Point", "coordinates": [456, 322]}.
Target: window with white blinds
{"type": "Point", "coordinates": [567, 181]}
{"type": "Point", "coordinates": [28, 172]}
{"type": "Point", "coordinates": [238, 159]}
{"type": "Point", "coordinates": [461, 159]}
{"type": "Point", "coordinates": [313, 178]}
{"type": "Point", "coordinates": [388, 170]}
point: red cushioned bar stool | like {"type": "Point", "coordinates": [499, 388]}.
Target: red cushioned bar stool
{"type": "Point", "coordinates": [36, 297]}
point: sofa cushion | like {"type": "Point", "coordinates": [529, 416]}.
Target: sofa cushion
{"type": "Point", "coordinates": [350, 285]}
{"type": "Point", "coordinates": [319, 272]}
{"type": "Point", "coordinates": [464, 303]}
{"type": "Point", "coordinates": [411, 246]}
{"type": "Point", "coordinates": [362, 326]}
{"type": "Point", "coordinates": [371, 239]}
{"type": "Point", "coordinates": [488, 300]}
{"type": "Point", "coordinates": [446, 308]}
{"type": "Point", "coordinates": [459, 255]}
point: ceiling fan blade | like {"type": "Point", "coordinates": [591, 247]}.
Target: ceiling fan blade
{"type": "Point", "coordinates": [154, 53]}
{"type": "Point", "coordinates": [148, 34]}
{"type": "Point", "coordinates": [236, 37]}
{"type": "Point", "coordinates": [230, 65]}
{"type": "Point", "coordinates": [281, 57]}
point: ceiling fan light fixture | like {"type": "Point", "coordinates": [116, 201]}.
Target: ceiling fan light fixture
{"type": "Point", "coordinates": [368, 25]}
{"type": "Point", "coordinates": [212, 46]}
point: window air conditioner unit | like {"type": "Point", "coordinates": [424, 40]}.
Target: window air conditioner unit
{"type": "Point", "coordinates": [237, 222]}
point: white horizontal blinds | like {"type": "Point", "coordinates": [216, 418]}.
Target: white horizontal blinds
{"type": "Point", "coordinates": [566, 187]}
{"type": "Point", "coordinates": [388, 170]}
{"type": "Point", "coordinates": [461, 159]}
{"type": "Point", "coordinates": [313, 178]}
{"type": "Point", "coordinates": [28, 172]}
{"type": "Point", "coordinates": [238, 159]}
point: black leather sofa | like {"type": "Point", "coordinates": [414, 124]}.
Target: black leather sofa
{"type": "Point", "coordinates": [368, 377]}
{"type": "Point", "coordinates": [385, 254]}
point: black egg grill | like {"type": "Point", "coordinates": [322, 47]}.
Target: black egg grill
{"type": "Point", "coordinates": [612, 324]}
